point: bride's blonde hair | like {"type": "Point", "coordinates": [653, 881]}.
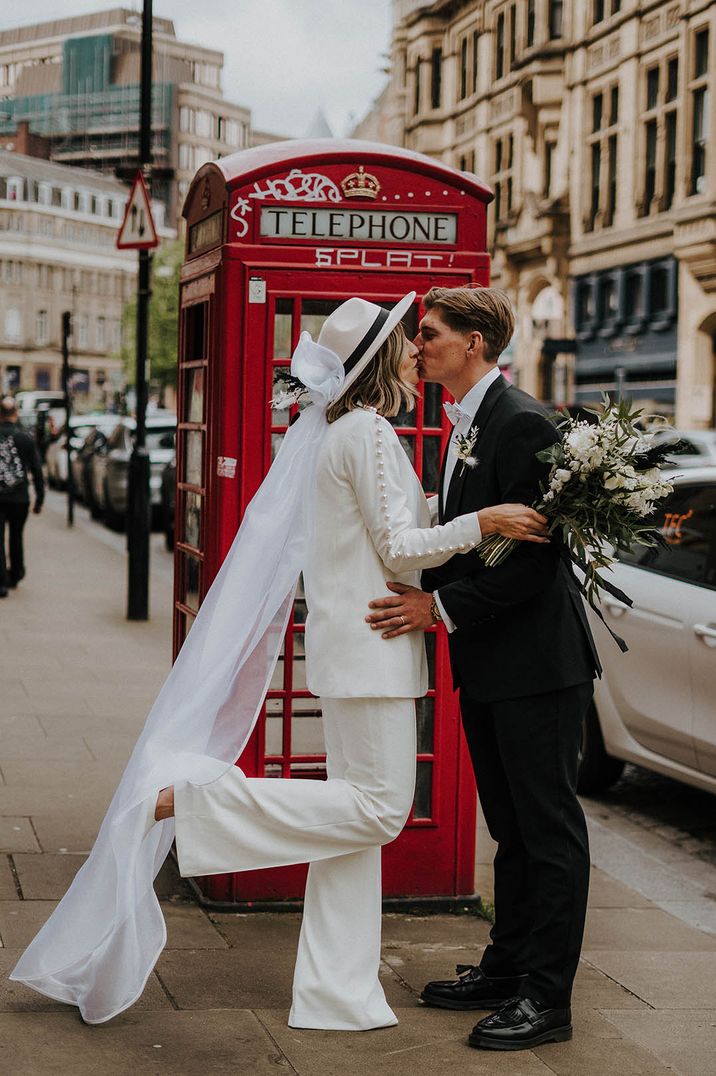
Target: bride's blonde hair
{"type": "Point", "coordinates": [380, 385]}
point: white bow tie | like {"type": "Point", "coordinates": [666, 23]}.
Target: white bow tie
{"type": "Point", "coordinates": [455, 413]}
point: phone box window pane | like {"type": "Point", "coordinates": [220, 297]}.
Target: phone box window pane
{"type": "Point", "coordinates": [192, 575]}
{"type": "Point", "coordinates": [433, 407]}
{"type": "Point", "coordinates": [431, 464]}
{"type": "Point", "coordinates": [282, 329]}
{"type": "Point", "coordinates": [192, 519]}
{"type": "Point", "coordinates": [194, 396]}
{"type": "Point", "coordinates": [430, 638]}
{"type": "Point", "coordinates": [422, 804]}
{"type": "Point", "coordinates": [425, 718]}
{"type": "Point", "coordinates": [194, 332]}
{"type": "Point", "coordinates": [192, 457]}
{"type": "Point", "coordinates": [307, 734]}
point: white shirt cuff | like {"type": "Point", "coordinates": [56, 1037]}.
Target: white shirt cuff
{"type": "Point", "coordinates": [449, 624]}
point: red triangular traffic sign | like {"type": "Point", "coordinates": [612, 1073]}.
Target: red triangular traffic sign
{"type": "Point", "coordinates": [137, 231]}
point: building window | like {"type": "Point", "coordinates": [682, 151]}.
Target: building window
{"type": "Point", "coordinates": [530, 34]}
{"type": "Point", "coordinates": [597, 11]}
{"type": "Point", "coordinates": [416, 101]}
{"type": "Point", "coordinates": [660, 133]}
{"type": "Point", "coordinates": [502, 179]}
{"type": "Point", "coordinates": [462, 92]}
{"type": "Point", "coordinates": [101, 334]}
{"type": "Point", "coordinates": [699, 93]}
{"type": "Point", "coordinates": [13, 326]}
{"type": "Point", "coordinates": [603, 151]}
{"type": "Point", "coordinates": [549, 148]}
{"type": "Point", "coordinates": [82, 330]}
{"type": "Point", "coordinates": [184, 156]}
{"type": "Point", "coordinates": [42, 327]}
{"type": "Point", "coordinates": [185, 119]}
{"type": "Point", "coordinates": [436, 72]}
{"type": "Point", "coordinates": [500, 46]}
{"type": "Point", "coordinates": [475, 39]}
{"type": "Point", "coordinates": [512, 12]}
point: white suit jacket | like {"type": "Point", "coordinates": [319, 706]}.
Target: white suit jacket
{"type": "Point", "coordinates": [372, 524]}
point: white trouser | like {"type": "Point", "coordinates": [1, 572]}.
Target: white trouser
{"type": "Point", "coordinates": [240, 823]}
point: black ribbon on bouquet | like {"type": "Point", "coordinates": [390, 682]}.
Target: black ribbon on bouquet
{"type": "Point", "coordinates": [571, 558]}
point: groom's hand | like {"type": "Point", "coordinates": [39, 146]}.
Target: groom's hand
{"type": "Point", "coordinates": [407, 610]}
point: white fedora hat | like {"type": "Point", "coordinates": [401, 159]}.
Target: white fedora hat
{"type": "Point", "coordinates": [356, 330]}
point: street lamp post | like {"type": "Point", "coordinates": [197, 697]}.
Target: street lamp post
{"type": "Point", "coordinates": [138, 505]}
{"type": "Point", "coordinates": [67, 388]}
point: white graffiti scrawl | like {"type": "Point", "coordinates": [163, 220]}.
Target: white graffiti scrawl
{"type": "Point", "coordinates": [297, 186]}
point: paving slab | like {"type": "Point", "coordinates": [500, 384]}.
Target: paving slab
{"type": "Point", "coordinates": [607, 892]}
{"type": "Point", "coordinates": [188, 927]}
{"type": "Point", "coordinates": [146, 1044]}
{"type": "Point", "coordinates": [596, 1050]}
{"type": "Point", "coordinates": [17, 835]}
{"type": "Point", "coordinates": [229, 978]}
{"type": "Point", "coordinates": [642, 928]}
{"type": "Point", "coordinates": [68, 830]}
{"type": "Point", "coordinates": [664, 980]}
{"type": "Point", "coordinates": [8, 889]}
{"type": "Point", "coordinates": [46, 877]}
{"type": "Point", "coordinates": [684, 1041]}
{"type": "Point", "coordinates": [426, 1042]}
{"type": "Point", "coordinates": [20, 999]}
{"type": "Point", "coordinates": [20, 920]}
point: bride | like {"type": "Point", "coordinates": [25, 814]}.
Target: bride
{"type": "Point", "coordinates": [343, 505]}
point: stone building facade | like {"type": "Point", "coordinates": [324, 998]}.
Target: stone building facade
{"type": "Point", "coordinates": [592, 123]}
{"type": "Point", "coordinates": [75, 81]}
{"type": "Point", "coordinates": [58, 228]}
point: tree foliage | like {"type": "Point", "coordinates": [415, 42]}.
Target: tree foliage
{"type": "Point", "coordinates": [163, 319]}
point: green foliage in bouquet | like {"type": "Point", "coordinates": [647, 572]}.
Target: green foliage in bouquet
{"type": "Point", "coordinates": [604, 481]}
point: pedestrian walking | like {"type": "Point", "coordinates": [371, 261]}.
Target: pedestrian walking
{"type": "Point", "coordinates": [19, 459]}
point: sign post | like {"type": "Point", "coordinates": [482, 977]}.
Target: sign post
{"type": "Point", "coordinates": [138, 232]}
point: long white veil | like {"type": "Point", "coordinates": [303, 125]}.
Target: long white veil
{"type": "Point", "coordinates": [99, 946]}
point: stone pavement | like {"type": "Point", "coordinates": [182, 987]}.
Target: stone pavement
{"type": "Point", "coordinates": [77, 681]}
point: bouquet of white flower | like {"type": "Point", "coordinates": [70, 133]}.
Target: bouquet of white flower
{"type": "Point", "coordinates": [605, 478]}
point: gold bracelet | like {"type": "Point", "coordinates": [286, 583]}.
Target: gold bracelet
{"type": "Point", "coordinates": [435, 611]}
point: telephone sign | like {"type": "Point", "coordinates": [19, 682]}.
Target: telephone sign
{"type": "Point", "coordinates": [277, 237]}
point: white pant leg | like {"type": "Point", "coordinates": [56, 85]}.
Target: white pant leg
{"type": "Point", "coordinates": [239, 823]}
{"type": "Point", "coordinates": [336, 982]}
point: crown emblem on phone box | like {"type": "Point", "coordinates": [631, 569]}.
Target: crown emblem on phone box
{"type": "Point", "coordinates": [360, 184]}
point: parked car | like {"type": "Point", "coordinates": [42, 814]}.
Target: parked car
{"type": "Point", "coordinates": [168, 500]}
{"type": "Point", "coordinates": [110, 466]}
{"type": "Point", "coordinates": [656, 704]}
{"type": "Point", "coordinates": [82, 461]}
{"type": "Point", "coordinates": [56, 456]}
{"type": "Point", "coordinates": [696, 448]}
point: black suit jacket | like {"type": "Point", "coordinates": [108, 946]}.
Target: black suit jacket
{"type": "Point", "coordinates": [521, 626]}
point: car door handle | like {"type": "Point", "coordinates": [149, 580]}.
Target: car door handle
{"type": "Point", "coordinates": [614, 609]}
{"type": "Point", "coordinates": [706, 632]}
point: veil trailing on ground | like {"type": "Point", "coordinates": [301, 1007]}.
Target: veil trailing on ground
{"type": "Point", "coordinates": [99, 946]}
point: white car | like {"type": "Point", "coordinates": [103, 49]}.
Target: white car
{"type": "Point", "coordinates": [697, 448]}
{"type": "Point", "coordinates": [656, 704]}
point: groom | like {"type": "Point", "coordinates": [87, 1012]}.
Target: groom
{"type": "Point", "coordinates": [523, 658]}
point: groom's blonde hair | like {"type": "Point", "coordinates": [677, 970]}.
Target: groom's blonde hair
{"type": "Point", "coordinates": [380, 385]}
{"type": "Point", "coordinates": [468, 310]}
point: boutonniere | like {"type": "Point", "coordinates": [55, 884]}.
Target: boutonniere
{"type": "Point", "coordinates": [463, 449]}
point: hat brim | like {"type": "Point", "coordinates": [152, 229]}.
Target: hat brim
{"type": "Point", "coordinates": [394, 316]}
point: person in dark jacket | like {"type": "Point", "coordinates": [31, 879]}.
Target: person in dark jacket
{"type": "Point", "coordinates": [523, 659]}
{"type": "Point", "coordinates": [19, 459]}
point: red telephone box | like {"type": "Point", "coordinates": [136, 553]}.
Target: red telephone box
{"type": "Point", "coordinates": [277, 237]}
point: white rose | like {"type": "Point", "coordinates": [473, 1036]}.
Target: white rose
{"type": "Point", "coordinates": [563, 475]}
{"type": "Point", "coordinates": [549, 496]}
{"type": "Point", "coordinates": [614, 481]}
{"type": "Point", "coordinates": [580, 440]}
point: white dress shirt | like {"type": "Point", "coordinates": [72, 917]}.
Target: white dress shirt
{"type": "Point", "coordinates": [469, 405]}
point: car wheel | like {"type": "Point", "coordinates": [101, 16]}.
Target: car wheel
{"type": "Point", "coordinates": [113, 519]}
{"type": "Point", "coordinates": [597, 769]}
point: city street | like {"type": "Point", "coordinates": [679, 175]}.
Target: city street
{"type": "Point", "coordinates": [77, 680]}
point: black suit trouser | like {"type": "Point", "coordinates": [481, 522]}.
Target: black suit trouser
{"type": "Point", "coordinates": [15, 515]}
{"type": "Point", "coordinates": [525, 755]}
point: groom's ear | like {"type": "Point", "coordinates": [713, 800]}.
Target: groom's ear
{"type": "Point", "coordinates": [474, 344]}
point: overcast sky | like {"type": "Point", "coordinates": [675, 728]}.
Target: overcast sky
{"type": "Point", "coordinates": [282, 58]}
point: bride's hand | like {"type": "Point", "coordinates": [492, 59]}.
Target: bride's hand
{"type": "Point", "coordinates": [514, 521]}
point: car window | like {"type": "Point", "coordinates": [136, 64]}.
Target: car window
{"type": "Point", "coordinates": [687, 521]}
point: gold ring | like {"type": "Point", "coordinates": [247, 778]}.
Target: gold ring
{"type": "Point", "coordinates": [402, 621]}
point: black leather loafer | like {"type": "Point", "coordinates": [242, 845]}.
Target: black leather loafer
{"type": "Point", "coordinates": [520, 1025]}
{"type": "Point", "coordinates": [471, 990]}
